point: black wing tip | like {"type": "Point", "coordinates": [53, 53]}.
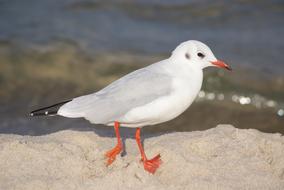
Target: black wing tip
{"type": "Point", "coordinates": [48, 111]}
{"type": "Point", "coordinates": [36, 113]}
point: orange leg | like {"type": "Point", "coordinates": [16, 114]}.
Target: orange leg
{"type": "Point", "coordinates": [111, 155]}
{"type": "Point", "coordinates": [149, 165]}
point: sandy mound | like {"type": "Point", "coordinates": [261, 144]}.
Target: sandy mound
{"type": "Point", "coordinates": [220, 158]}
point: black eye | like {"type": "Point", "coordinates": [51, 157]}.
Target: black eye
{"type": "Point", "coordinates": [201, 55]}
{"type": "Point", "coordinates": [187, 56]}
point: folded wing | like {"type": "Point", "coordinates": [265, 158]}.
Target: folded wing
{"type": "Point", "coordinates": [114, 101]}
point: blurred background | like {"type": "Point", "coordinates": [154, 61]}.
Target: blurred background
{"type": "Point", "coordinates": [53, 50]}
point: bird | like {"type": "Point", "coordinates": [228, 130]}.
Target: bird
{"type": "Point", "coordinates": [151, 95]}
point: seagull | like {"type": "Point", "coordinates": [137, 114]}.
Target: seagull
{"type": "Point", "coordinates": [151, 95]}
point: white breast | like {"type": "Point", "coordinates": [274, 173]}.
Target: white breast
{"type": "Point", "coordinates": [185, 90]}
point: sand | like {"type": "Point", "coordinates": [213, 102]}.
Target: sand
{"type": "Point", "coordinates": [220, 158]}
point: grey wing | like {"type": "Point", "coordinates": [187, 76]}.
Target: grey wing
{"type": "Point", "coordinates": [114, 101]}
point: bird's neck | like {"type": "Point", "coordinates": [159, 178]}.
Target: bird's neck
{"type": "Point", "coordinates": [194, 77]}
{"type": "Point", "coordinates": [190, 75]}
{"type": "Point", "coordinates": [185, 70]}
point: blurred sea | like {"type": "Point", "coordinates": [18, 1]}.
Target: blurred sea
{"type": "Point", "coordinates": [55, 50]}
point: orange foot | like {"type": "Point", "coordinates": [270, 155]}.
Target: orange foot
{"type": "Point", "coordinates": [111, 155]}
{"type": "Point", "coordinates": [153, 164]}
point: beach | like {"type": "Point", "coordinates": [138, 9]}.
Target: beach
{"type": "Point", "coordinates": [223, 157]}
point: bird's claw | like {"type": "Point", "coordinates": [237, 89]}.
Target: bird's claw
{"type": "Point", "coordinates": [111, 155]}
{"type": "Point", "coordinates": [153, 164]}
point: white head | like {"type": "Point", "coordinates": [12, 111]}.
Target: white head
{"type": "Point", "coordinates": [197, 54]}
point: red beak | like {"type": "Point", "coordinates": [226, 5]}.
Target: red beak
{"type": "Point", "coordinates": [221, 64]}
